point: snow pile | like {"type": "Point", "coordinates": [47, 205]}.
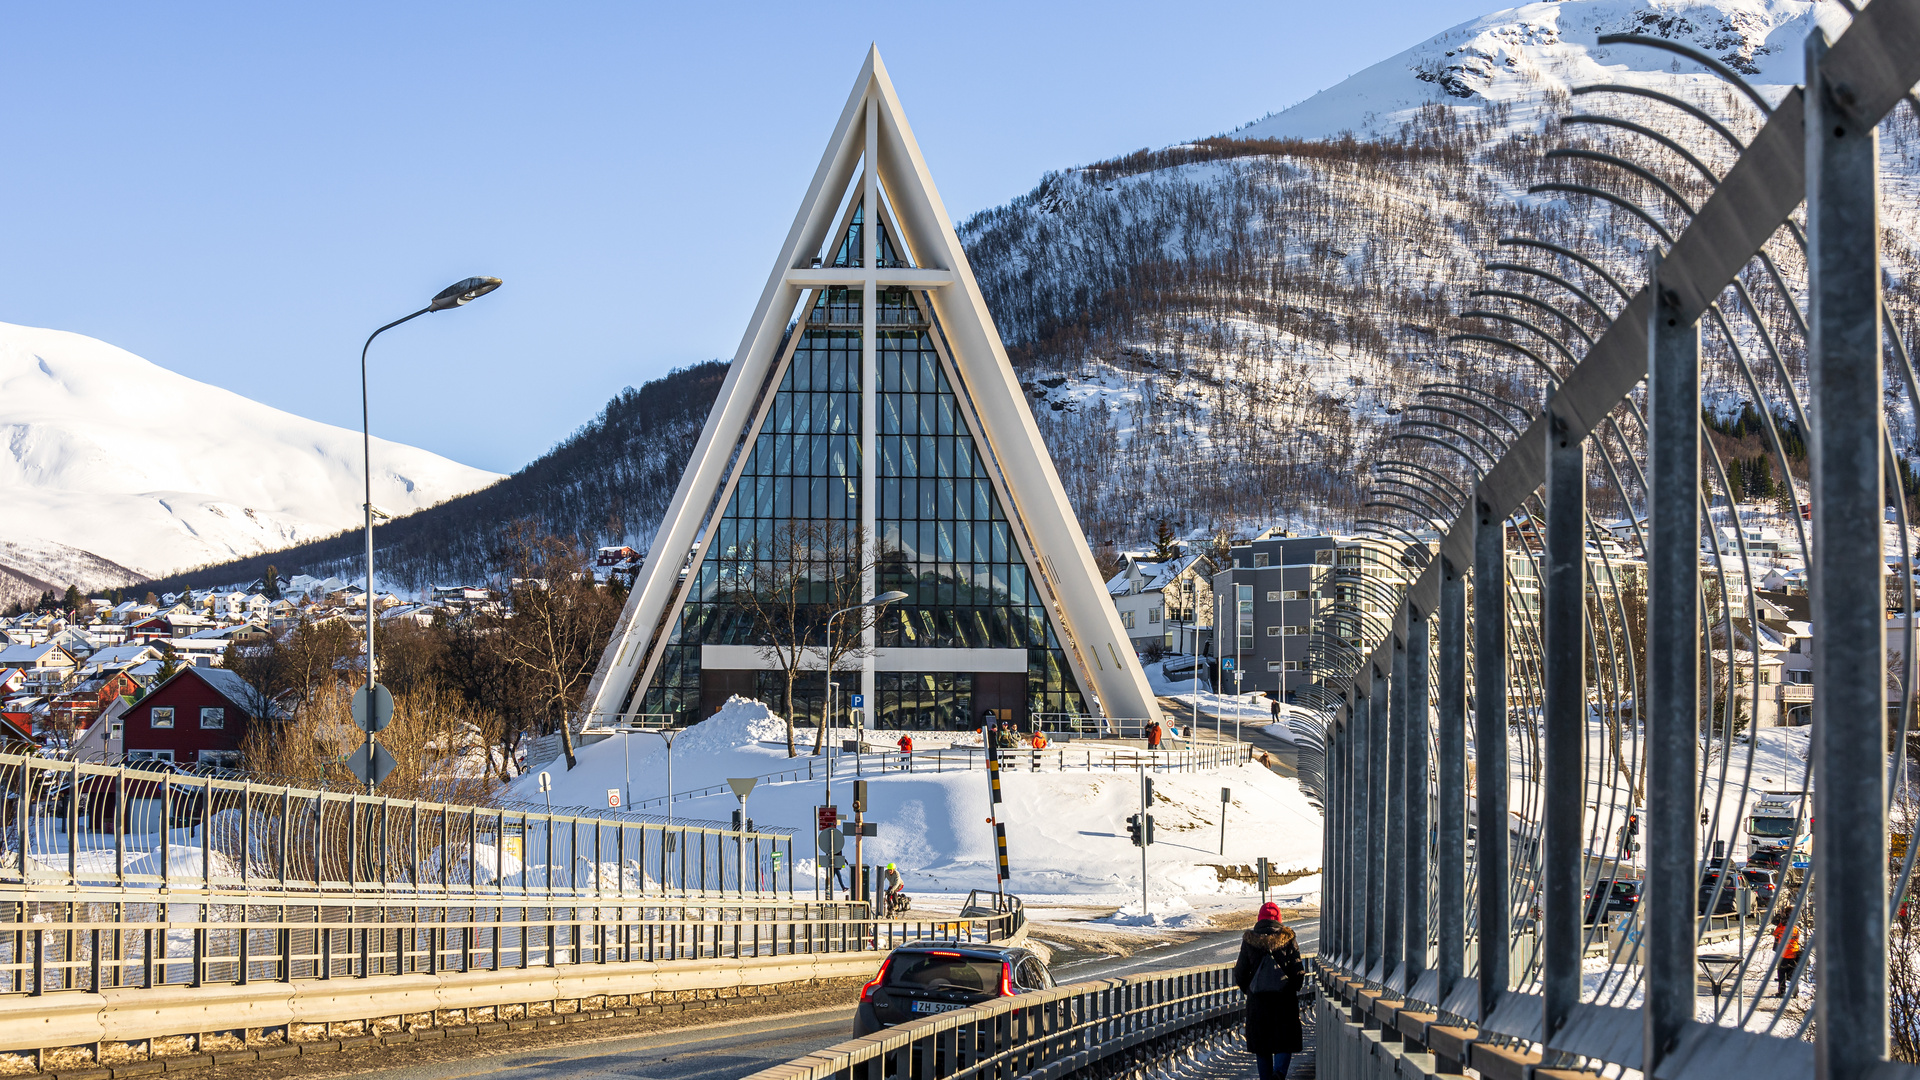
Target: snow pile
{"type": "Point", "coordinates": [110, 457]}
{"type": "Point", "coordinates": [1175, 914]}
{"type": "Point", "coordinates": [1066, 831]}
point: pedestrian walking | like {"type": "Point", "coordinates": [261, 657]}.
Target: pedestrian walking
{"type": "Point", "coordinates": [1276, 710]}
{"type": "Point", "coordinates": [1153, 734]}
{"type": "Point", "coordinates": [1270, 972]}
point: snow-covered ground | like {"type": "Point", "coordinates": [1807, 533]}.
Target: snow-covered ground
{"type": "Point", "coordinates": [1066, 831]}
{"type": "Point", "coordinates": [111, 456]}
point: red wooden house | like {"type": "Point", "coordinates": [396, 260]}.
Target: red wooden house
{"type": "Point", "coordinates": [199, 716]}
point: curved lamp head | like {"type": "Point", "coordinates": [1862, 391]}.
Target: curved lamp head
{"type": "Point", "coordinates": [887, 598]}
{"type": "Point", "coordinates": [462, 291]}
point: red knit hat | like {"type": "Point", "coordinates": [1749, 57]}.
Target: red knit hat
{"type": "Point", "coordinates": [1269, 912]}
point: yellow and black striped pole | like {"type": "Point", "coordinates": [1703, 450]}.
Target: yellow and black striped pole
{"type": "Point", "coordinates": [990, 736]}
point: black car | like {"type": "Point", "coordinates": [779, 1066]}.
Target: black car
{"type": "Point", "coordinates": [1616, 897]}
{"type": "Point", "coordinates": [920, 980]}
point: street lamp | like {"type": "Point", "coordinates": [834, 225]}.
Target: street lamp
{"type": "Point", "coordinates": [452, 296]}
{"type": "Point", "coordinates": [882, 600]}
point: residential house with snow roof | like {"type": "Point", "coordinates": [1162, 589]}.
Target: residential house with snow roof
{"type": "Point", "coordinates": [1158, 601]}
{"type": "Point", "coordinates": [199, 716]}
{"type": "Point", "coordinates": [47, 666]}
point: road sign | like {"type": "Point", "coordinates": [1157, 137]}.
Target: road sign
{"type": "Point", "coordinates": [831, 841]}
{"type": "Point", "coordinates": [382, 708]}
{"type": "Point", "coordinates": [859, 701]}
{"type": "Point", "coordinates": [546, 782]}
{"type": "Point", "coordinates": [613, 798]}
{"type": "Point", "coordinates": [371, 769]}
{"type": "Point", "coordinates": [829, 815]}
{"type": "Point", "coordinates": [1226, 663]}
{"type": "Point", "coordinates": [742, 786]}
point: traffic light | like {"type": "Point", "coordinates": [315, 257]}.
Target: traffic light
{"type": "Point", "coordinates": [1146, 790]}
{"type": "Point", "coordinates": [1629, 834]}
{"type": "Point", "coordinates": [1149, 828]}
{"type": "Point", "coordinates": [737, 823]}
{"type": "Point", "coordinates": [1133, 829]}
{"type": "Point", "coordinates": [859, 796]}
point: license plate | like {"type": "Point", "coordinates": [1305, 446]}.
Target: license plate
{"type": "Point", "coordinates": [936, 1006]}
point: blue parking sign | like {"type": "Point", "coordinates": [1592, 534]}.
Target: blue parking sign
{"type": "Point", "coordinates": [859, 701]}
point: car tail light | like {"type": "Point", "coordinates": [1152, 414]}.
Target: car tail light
{"type": "Point", "coordinates": [878, 977]}
{"type": "Point", "coordinates": [1006, 978]}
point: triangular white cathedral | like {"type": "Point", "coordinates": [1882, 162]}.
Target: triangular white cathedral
{"type": "Point", "coordinates": [872, 391]}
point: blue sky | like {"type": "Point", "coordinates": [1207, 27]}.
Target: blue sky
{"type": "Point", "coordinates": [241, 193]}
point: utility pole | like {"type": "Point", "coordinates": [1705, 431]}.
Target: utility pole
{"type": "Point", "coordinates": [1226, 796]}
{"type": "Point", "coordinates": [1143, 833]}
{"type": "Point", "coordinates": [859, 836]}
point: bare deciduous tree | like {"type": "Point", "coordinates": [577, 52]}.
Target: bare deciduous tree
{"type": "Point", "coordinates": [788, 588]}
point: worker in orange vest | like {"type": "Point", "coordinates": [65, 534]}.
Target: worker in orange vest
{"type": "Point", "coordinates": [1790, 956]}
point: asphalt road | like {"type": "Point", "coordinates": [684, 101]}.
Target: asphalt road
{"type": "Point", "coordinates": [739, 1047]}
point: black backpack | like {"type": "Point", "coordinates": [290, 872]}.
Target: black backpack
{"type": "Point", "coordinates": [1267, 977]}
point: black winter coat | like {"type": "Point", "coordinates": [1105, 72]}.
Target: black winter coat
{"type": "Point", "coordinates": [1273, 1020]}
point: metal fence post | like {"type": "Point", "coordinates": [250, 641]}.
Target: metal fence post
{"type": "Point", "coordinates": [1850, 709]}
{"type": "Point", "coordinates": [1490, 748]}
{"type": "Point", "coordinates": [1378, 731]}
{"type": "Point", "coordinates": [1330, 798]}
{"type": "Point", "coordinates": [1450, 856]}
{"type": "Point", "coordinates": [1394, 903]}
{"type": "Point", "coordinates": [1564, 693]}
{"type": "Point", "coordinates": [1418, 724]}
{"type": "Point", "coordinates": [1673, 672]}
{"type": "Point", "coordinates": [1357, 833]}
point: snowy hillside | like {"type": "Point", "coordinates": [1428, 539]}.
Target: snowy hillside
{"type": "Point", "coordinates": [115, 468]}
{"type": "Point", "coordinates": [1221, 333]}
{"type": "Point", "coordinates": [1521, 55]}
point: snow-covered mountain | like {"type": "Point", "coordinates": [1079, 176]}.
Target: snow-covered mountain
{"type": "Point", "coordinates": [1522, 56]}
{"type": "Point", "coordinates": [1221, 333]}
{"type": "Point", "coordinates": [116, 469]}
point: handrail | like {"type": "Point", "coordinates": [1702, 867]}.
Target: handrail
{"type": "Point", "coordinates": [1044, 1033]}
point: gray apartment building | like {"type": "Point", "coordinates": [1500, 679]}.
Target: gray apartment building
{"type": "Point", "coordinates": [1264, 610]}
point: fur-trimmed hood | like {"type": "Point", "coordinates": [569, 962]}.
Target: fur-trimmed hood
{"type": "Point", "coordinates": [1269, 940]}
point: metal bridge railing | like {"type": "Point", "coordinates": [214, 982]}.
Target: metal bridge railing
{"type": "Point", "coordinates": [1049, 1033]}
{"type": "Point", "coordinates": [1575, 560]}
{"type": "Point", "coordinates": [137, 877]}
{"type": "Point", "coordinates": [948, 759]}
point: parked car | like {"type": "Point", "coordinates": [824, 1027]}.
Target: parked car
{"type": "Point", "coordinates": [935, 977]}
{"type": "Point", "coordinates": [1616, 897]}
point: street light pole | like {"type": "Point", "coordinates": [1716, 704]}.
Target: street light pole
{"type": "Point", "coordinates": [452, 296]}
{"type": "Point", "coordinates": [826, 721]}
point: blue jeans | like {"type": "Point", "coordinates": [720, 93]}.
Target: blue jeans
{"type": "Point", "coordinates": [1272, 1066]}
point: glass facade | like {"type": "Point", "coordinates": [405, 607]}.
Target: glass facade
{"type": "Point", "coordinates": [943, 537]}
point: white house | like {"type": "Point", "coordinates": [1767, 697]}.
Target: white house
{"type": "Point", "coordinates": [1158, 601]}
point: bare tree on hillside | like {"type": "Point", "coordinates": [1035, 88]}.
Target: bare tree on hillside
{"type": "Point", "coordinates": [788, 588]}
{"type": "Point", "coordinates": [560, 624]}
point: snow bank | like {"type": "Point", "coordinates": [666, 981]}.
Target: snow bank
{"type": "Point", "coordinates": [1066, 831]}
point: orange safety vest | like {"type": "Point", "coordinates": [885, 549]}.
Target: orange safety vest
{"type": "Point", "coordinates": [1793, 942]}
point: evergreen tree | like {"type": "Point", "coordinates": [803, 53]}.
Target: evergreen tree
{"type": "Point", "coordinates": [73, 599]}
{"type": "Point", "coordinates": [1760, 478]}
{"type": "Point", "coordinates": [1165, 546]}
{"type": "Point", "coordinates": [272, 588]}
{"type": "Point", "coordinates": [1736, 481]}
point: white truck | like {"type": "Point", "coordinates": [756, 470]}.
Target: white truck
{"type": "Point", "coordinates": [1780, 831]}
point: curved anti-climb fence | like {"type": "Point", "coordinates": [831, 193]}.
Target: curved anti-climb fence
{"type": "Point", "coordinates": [1615, 708]}
{"type": "Point", "coordinates": [139, 877]}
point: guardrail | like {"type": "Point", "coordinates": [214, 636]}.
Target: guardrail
{"type": "Point", "coordinates": [1046, 1034]}
{"type": "Point", "coordinates": [964, 759]}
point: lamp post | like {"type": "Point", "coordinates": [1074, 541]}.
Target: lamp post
{"type": "Point", "coordinates": [882, 600]}
{"type": "Point", "coordinates": [452, 296]}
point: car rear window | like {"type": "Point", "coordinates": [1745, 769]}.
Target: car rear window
{"type": "Point", "coordinates": [931, 971]}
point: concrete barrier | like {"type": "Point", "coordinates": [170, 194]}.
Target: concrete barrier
{"type": "Point", "coordinates": [74, 1027]}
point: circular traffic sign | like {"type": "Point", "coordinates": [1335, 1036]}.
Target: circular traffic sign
{"type": "Point", "coordinates": [381, 714]}
{"type": "Point", "coordinates": [831, 841]}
